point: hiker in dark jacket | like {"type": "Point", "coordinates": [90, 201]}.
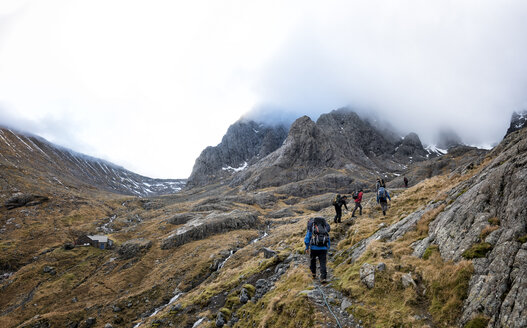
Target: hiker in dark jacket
{"type": "Point", "coordinates": [338, 208]}
{"type": "Point", "coordinates": [382, 198]}
{"type": "Point", "coordinates": [405, 182]}
{"type": "Point", "coordinates": [317, 233]}
{"type": "Point", "coordinates": [358, 204]}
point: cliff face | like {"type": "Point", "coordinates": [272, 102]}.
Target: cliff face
{"type": "Point", "coordinates": [245, 142]}
{"type": "Point", "coordinates": [338, 140]}
{"type": "Point", "coordinates": [518, 121]}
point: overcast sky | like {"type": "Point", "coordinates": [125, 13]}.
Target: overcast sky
{"type": "Point", "coordinates": [149, 84]}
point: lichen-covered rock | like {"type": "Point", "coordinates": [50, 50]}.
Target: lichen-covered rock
{"type": "Point", "coordinates": [367, 275]}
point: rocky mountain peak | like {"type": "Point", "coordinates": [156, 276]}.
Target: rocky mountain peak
{"type": "Point", "coordinates": [518, 122]}
{"type": "Point", "coordinates": [245, 142]}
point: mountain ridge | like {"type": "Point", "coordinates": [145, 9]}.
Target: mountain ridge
{"type": "Point", "coordinates": [34, 154]}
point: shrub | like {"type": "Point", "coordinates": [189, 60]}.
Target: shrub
{"type": "Point", "coordinates": [429, 251]}
{"type": "Point", "coordinates": [477, 251]}
{"type": "Point", "coordinates": [477, 322]}
{"type": "Point", "coordinates": [494, 221]}
{"type": "Point", "coordinates": [487, 230]}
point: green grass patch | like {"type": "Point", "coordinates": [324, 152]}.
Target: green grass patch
{"type": "Point", "coordinates": [429, 251]}
{"type": "Point", "coordinates": [522, 239]}
{"type": "Point", "coordinates": [477, 322]}
{"type": "Point", "coordinates": [494, 221]}
{"type": "Point", "coordinates": [447, 295]}
{"type": "Point", "coordinates": [477, 251]}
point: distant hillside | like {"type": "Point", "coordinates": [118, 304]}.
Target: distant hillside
{"type": "Point", "coordinates": [25, 159]}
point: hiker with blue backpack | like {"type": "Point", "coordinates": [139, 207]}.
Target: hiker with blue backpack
{"type": "Point", "coordinates": [382, 198]}
{"type": "Point", "coordinates": [317, 245]}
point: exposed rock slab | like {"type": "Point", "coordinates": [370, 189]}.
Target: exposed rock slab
{"type": "Point", "coordinates": [498, 286]}
{"type": "Point", "coordinates": [211, 224]}
{"type": "Point", "coordinates": [133, 248]}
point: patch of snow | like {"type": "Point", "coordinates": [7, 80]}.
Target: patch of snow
{"type": "Point", "coordinates": [236, 169]}
{"type": "Point", "coordinates": [197, 323]}
{"type": "Point", "coordinates": [436, 150]}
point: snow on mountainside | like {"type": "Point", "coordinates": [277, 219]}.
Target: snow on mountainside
{"type": "Point", "coordinates": [38, 158]}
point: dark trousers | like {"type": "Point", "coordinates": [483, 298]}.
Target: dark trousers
{"type": "Point", "coordinates": [359, 206]}
{"type": "Point", "coordinates": [338, 216]}
{"type": "Point", "coordinates": [384, 206]}
{"type": "Point", "coordinates": [321, 254]}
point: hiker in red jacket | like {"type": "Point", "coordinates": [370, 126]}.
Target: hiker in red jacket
{"type": "Point", "coordinates": [358, 200]}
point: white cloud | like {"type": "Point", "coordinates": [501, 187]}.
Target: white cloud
{"type": "Point", "coordinates": [148, 85]}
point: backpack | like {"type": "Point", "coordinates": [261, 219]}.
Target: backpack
{"type": "Point", "coordinates": [319, 233]}
{"type": "Point", "coordinates": [382, 194]}
{"type": "Point", "coordinates": [336, 200]}
{"type": "Point", "coordinates": [355, 195]}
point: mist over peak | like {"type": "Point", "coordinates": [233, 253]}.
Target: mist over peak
{"type": "Point", "coordinates": [420, 69]}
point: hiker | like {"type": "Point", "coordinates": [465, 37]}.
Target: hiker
{"type": "Point", "coordinates": [405, 182]}
{"type": "Point", "coordinates": [317, 245]}
{"type": "Point", "coordinates": [358, 201]}
{"type": "Point", "coordinates": [377, 185]}
{"type": "Point", "coordinates": [382, 196]}
{"type": "Point", "coordinates": [338, 202]}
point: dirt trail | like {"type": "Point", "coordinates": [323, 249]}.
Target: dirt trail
{"type": "Point", "coordinates": [328, 301]}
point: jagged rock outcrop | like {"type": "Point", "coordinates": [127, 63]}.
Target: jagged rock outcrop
{"type": "Point", "coordinates": [244, 143]}
{"type": "Point", "coordinates": [518, 121]}
{"type": "Point", "coordinates": [214, 223]}
{"type": "Point", "coordinates": [495, 196]}
{"type": "Point", "coordinates": [338, 140]}
{"type": "Point", "coordinates": [20, 200]}
{"type": "Point", "coordinates": [410, 148]}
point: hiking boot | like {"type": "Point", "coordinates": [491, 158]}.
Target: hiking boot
{"type": "Point", "coordinates": [314, 276]}
{"type": "Point", "coordinates": [323, 281]}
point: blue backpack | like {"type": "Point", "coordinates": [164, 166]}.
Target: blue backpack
{"type": "Point", "coordinates": [382, 194]}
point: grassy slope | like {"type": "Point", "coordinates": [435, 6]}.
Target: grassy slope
{"type": "Point", "coordinates": [99, 279]}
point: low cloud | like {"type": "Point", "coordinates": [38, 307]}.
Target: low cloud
{"type": "Point", "coordinates": [420, 67]}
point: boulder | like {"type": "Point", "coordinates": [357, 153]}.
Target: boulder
{"type": "Point", "coordinates": [367, 275]}
{"type": "Point", "coordinates": [220, 320]}
{"type": "Point", "coordinates": [133, 248]}
{"type": "Point", "coordinates": [345, 304]}
{"type": "Point", "coordinates": [268, 253]}
{"type": "Point", "coordinates": [244, 296]}
{"type": "Point", "coordinates": [408, 281]}
{"type": "Point", "coordinates": [90, 322]}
